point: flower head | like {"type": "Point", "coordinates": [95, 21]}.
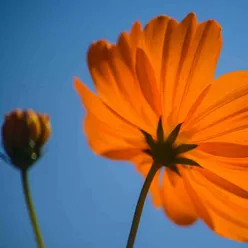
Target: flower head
{"type": "Point", "coordinates": [23, 135]}
{"type": "Point", "coordinates": [157, 100]}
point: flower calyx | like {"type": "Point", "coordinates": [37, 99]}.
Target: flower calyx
{"type": "Point", "coordinates": [165, 152]}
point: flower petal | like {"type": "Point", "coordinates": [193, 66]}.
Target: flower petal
{"type": "Point", "coordinates": [198, 62]}
{"type": "Point", "coordinates": [116, 82]}
{"type": "Point", "coordinates": [223, 114]}
{"type": "Point", "coordinates": [108, 134]}
{"type": "Point", "coordinates": [176, 202]}
{"type": "Point", "coordinates": [189, 56]}
{"type": "Point", "coordinates": [147, 81]}
{"type": "Point", "coordinates": [228, 211]}
{"type": "Point", "coordinates": [234, 170]}
{"type": "Point", "coordinates": [154, 36]}
{"type": "Point", "coordinates": [224, 149]}
{"type": "Point", "coordinates": [128, 44]}
{"type": "Point", "coordinates": [223, 183]}
{"type": "Point", "coordinates": [200, 208]}
{"type": "Point", "coordinates": [111, 143]}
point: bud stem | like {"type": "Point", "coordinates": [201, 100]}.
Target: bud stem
{"type": "Point", "coordinates": [30, 207]}
{"type": "Point", "coordinates": [140, 205]}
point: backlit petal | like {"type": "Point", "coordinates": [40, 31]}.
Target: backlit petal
{"type": "Point", "coordinates": [223, 114]}
{"type": "Point", "coordinates": [116, 82]}
{"type": "Point", "coordinates": [228, 211]}
{"type": "Point", "coordinates": [234, 170]}
{"type": "Point", "coordinates": [112, 143]}
{"type": "Point", "coordinates": [201, 50]}
{"type": "Point", "coordinates": [200, 208]}
{"type": "Point", "coordinates": [176, 202]}
{"type": "Point", "coordinates": [128, 44]}
{"type": "Point", "coordinates": [154, 36]}
{"type": "Point", "coordinates": [108, 134]}
{"type": "Point", "coordinates": [223, 183]}
{"type": "Point", "coordinates": [184, 56]}
{"type": "Point", "coordinates": [224, 149]}
{"type": "Point", "coordinates": [146, 77]}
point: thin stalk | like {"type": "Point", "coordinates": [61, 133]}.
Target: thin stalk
{"type": "Point", "coordinates": [140, 205]}
{"type": "Point", "coordinates": [31, 211]}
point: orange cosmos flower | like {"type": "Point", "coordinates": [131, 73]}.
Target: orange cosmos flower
{"type": "Point", "coordinates": [158, 102]}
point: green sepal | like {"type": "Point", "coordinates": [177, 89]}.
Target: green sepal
{"type": "Point", "coordinates": [185, 148]}
{"type": "Point", "coordinates": [149, 140]}
{"type": "Point", "coordinates": [160, 131]}
{"type": "Point", "coordinates": [186, 161]}
{"type": "Point", "coordinates": [173, 135]}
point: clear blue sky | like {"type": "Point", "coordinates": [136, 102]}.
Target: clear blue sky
{"type": "Point", "coordinates": [85, 201]}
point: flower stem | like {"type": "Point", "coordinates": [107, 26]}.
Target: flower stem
{"type": "Point", "coordinates": [140, 205]}
{"type": "Point", "coordinates": [31, 211]}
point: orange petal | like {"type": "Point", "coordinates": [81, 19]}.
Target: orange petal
{"type": "Point", "coordinates": [224, 149]}
{"type": "Point", "coordinates": [128, 44]}
{"type": "Point", "coordinates": [195, 197]}
{"type": "Point", "coordinates": [153, 43]}
{"type": "Point", "coordinates": [223, 114]}
{"type": "Point", "coordinates": [189, 56]}
{"type": "Point", "coordinates": [223, 183]}
{"type": "Point", "coordinates": [96, 107]}
{"type": "Point", "coordinates": [226, 228]}
{"type": "Point", "coordinates": [176, 202]}
{"type": "Point", "coordinates": [147, 81]}
{"type": "Point", "coordinates": [112, 143]}
{"type": "Point", "coordinates": [108, 134]}
{"type": "Point", "coordinates": [116, 83]}
{"type": "Point", "coordinates": [228, 211]}
{"type": "Point", "coordinates": [135, 34]}
{"type": "Point", "coordinates": [202, 47]}
{"type": "Point", "coordinates": [144, 168]}
{"type": "Point", "coordinates": [234, 170]}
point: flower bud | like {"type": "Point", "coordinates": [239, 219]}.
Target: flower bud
{"type": "Point", "coordinates": [23, 135]}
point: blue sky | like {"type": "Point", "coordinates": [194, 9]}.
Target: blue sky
{"type": "Point", "coordinates": [85, 201]}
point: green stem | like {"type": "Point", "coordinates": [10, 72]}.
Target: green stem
{"type": "Point", "coordinates": [140, 205]}
{"type": "Point", "coordinates": [31, 211]}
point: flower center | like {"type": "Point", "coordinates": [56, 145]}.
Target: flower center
{"type": "Point", "coordinates": [165, 152]}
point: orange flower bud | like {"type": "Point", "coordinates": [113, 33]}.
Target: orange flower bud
{"type": "Point", "coordinates": [45, 128]}
{"type": "Point", "coordinates": [23, 135]}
